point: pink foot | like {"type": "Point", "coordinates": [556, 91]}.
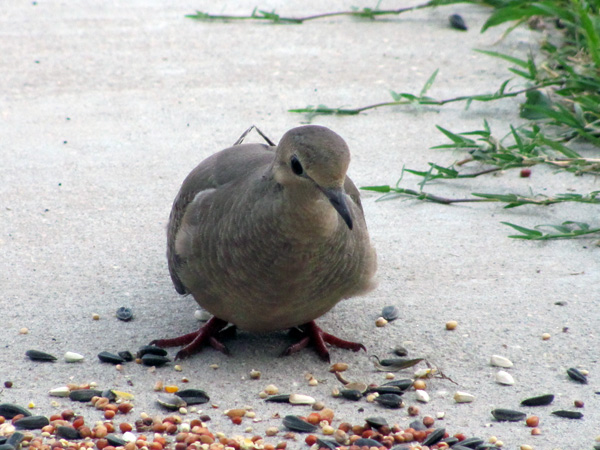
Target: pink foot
{"type": "Point", "coordinates": [193, 342]}
{"type": "Point", "coordinates": [313, 334]}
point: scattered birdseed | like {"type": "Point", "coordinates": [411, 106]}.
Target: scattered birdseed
{"type": "Point", "coordinates": [271, 389]}
{"type": "Point", "coordinates": [255, 374]}
{"type": "Point", "coordinates": [23, 331]}
{"type": "Point", "coordinates": [545, 336]}
{"type": "Point", "coordinates": [95, 316]}
{"type": "Point", "coordinates": [500, 361]}
{"type": "Point", "coordinates": [463, 397]}
{"type": "Point", "coordinates": [381, 322]}
{"type": "Point", "coordinates": [503, 377]}
{"type": "Point", "coordinates": [177, 368]}
{"type": "Point", "coordinates": [451, 325]}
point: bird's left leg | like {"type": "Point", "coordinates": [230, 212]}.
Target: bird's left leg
{"type": "Point", "coordinates": [312, 334]}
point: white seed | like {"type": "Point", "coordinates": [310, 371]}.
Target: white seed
{"type": "Point", "coordinates": [463, 397]}
{"type": "Point", "coordinates": [128, 436]}
{"type": "Point", "coordinates": [500, 361]}
{"type": "Point", "coordinates": [526, 447]}
{"type": "Point", "coordinates": [23, 331]}
{"type": "Point", "coordinates": [202, 315]}
{"type": "Point", "coordinates": [504, 377]}
{"type": "Point", "coordinates": [300, 399]}
{"type": "Point", "coordinates": [62, 391]}
{"type": "Point", "coordinates": [381, 322]}
{"type": "Point", "coordinates": [422, 396]}
{"type": "Point", "coordinates": [271, 389]}
{"type": "Point", "coordinates": [390, 376]}
{"type": "Point", "coordinates": [371, 397]}
{"type": "Point", "coordinates": [313, 382]}
{"type": "Point", "coordinates": [440, 415]}
{"type": "Point", "coordinates": [545, 336]}
{"type": "Point", "coordinates": [177, 368]}
{"type": "Point", "coordinates": [255, 374]}
{"type": "Point", "coordinates": [271, 431]}
{"type": "Point", "coordinates": [72, 357]}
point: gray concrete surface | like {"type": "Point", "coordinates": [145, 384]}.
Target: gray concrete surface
{"type": "Point", "coordinates": [106, 106]}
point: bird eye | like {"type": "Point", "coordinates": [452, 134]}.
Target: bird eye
{"type": "Point", "coordinates": [296, 166]}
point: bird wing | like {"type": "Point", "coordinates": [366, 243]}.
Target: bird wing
{"type": "Point", "coordinates": [217, 170]}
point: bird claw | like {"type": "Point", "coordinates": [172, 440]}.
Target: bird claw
{"type": "Point", "coordinates": [193, 342]}
{"type": "Point", "coordinates": [315, 335]}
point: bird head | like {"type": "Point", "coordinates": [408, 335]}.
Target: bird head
{"type": "Point", "coordinates": [312, 157]}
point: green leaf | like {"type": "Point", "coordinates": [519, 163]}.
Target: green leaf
{"type": "Point", "coordinates": [526, 231]}
{"type": "Point", "coordinates": [429, 83]}
{"type": "Point", "coordinates": [512, 59]}
{"type": "Point", "coordinates": [459, 140]}
{"type": "Point", "coordinates": [383, 188]}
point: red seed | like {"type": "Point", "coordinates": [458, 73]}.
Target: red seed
{"type": "Point", "coordinates": [532, 421]}
{"type": "Point", "coordinates": [125, 427]}
{"type": "Point", "coordinates": [237, 420]}
{"type": "Point", "coordinates": [79, 421]}
{"type": "Point", "coordinates": [428, 421]}
{"type": "Point", "coordinates": [578, 404]}
{"type": "Point", "coordinates": [124, 408]}
{"type": "Point", "coordinates": [8, 384]}
{"type": "Point", "coordinates": [101, 443]}
{"type": "Point", "coordinates": [311, 439]}
{"type": "Point", "coordinates": [109, 414]}
{"type": "Point", "coordinates": [525, 173]}
{"type": "Point", "coordinates": [314, 418]}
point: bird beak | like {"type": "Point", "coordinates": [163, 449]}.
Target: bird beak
{"type": "Point", "coordinates": [337, 199]}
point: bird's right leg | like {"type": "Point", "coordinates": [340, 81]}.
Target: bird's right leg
{"type": "Point", "coordinates": [193, 342]}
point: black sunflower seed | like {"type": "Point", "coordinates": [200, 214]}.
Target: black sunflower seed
{"type": "Point", "coordinates": [115, 441]}
{"type": "Point", "coordinates": [328, 444]}
{"type": "Point", "coordinates": [295, 423]}
{"type": "Point", "coordinates": [84, 395]}
{"type": "Point", "coordinates": [279, 398]}
{"type": "Point", "coordinates": [171, 401]}
{"type": "Point", "coordinates": [385, 390]}
{"type": "Point", "coordinates": [568, 414]}
{"type": "Point", "coordinates": [450, 440]}
{"type": "Point", "coordinates": [457, 22]}
{"type": "Point", "coordinates": [507, 415]}
{"type": "Point", "coordinates": [576, 375]}
{"type": "Point", "coordinates": [390, 313]}
{"type": "Point", "coordinates": [417, 425]}
{"type": "Point", "coordinates": [540, 400]}
{"type": "Point", "coordinates": [8, 410]}
{"type": "Point", "coordinates": [434, 437]}
{"type": "Point", "coordinates": [368, 442]}
{"type": "Point", "coordinates": [402, 384]}
{"type": "Point", "coordinates": [150, 359]}
{"type": "Point", "coordinates": [376, 422]}
{"type": "Point", "coordinates": [390, 400]}
{"type": "Point", "coordinates": [32, 423]}
{"type": "Point", "coordinates": [153, 349]}
{"type": "Point", "coordinates": [111, 358]}
{"type": "Point", "coordinates": [472, 442]}
{"type": "Point", "coordinates": [351, 394]}
{"type": "Point", "coordinates": [125, 314]}
{"type": "Point", "coordinates": [15, 439]}
{"type": "Point", "coordinates": [193, 396]}
{"type": "Point", "coordinates": [36, 355]}
{"type": "Point", "coordinates": [67, 432]}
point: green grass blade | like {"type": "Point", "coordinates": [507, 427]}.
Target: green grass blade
{"type": "Point", "coordinates": [429, 83]}
{"type": "Point", "coordinates": [528, 233]}
{"type": "Point", "coordinates": [512, 59]}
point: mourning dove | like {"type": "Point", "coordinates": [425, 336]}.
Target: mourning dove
{"type": "Point", "coordinates": [269, 238]}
